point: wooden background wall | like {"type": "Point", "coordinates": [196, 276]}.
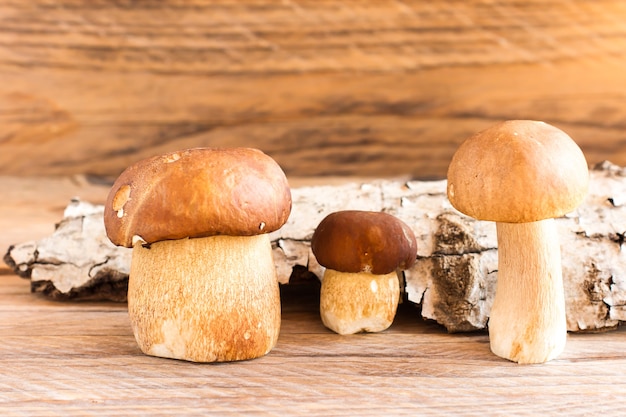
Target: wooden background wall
{"type": "Point", "coordinates": [365, 88]}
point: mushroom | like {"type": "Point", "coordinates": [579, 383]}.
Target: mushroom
{"type": "Point", "coordinates": [362, 252]}
{"type": "Point", "coordinates": [202, 284]}
{"type": "Point", "coordinates": [522, 174]}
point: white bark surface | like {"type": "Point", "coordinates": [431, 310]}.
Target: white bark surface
{"type": "Point", "coordinates": [453, 279]}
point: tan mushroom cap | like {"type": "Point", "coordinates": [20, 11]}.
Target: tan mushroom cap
{"type": "Point", "coordinates": [364, 241]}
{"type": "Point", "coordinates": [518, 171]}
{"type": "Point", "coordinates": [198, 192]}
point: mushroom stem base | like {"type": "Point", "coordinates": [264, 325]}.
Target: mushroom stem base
{"type": "Point", "coordinates": [527, 321]}
{"type": "Point", "coordinates": [210, 299]}
{"type": "Point", "coordinates": [358, 302]}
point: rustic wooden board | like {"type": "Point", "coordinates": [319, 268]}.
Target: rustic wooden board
{"type": "Point", "coordinates": [78, 359]}
{"type": "Point", "coordinates": [370, 88]}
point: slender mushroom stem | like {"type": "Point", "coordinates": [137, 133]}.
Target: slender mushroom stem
{"type": "Point", "coordinates": [358, 302]}
{"type": "Point", "coordinates": [205, 299]}
{"type": "Point", "coordinates": [527, 322]}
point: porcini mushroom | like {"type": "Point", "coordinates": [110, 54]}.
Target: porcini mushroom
{"type": "Point", "coordinates": [362, 252]}
{"type": "Point", "coordinates": [202, 283]}
{"type": "Point", "coordinates": [522, 174]}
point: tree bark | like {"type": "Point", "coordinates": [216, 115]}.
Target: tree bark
{"type": "Point", "coordinates": [453, 280]}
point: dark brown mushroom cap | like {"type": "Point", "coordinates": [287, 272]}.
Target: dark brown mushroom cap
{"type": "Point", "coordinates": [518, 171]}
{"type": "Point", "coordinates": [197, 193]}
{"type": "Point", "coordinates": [364, 241]}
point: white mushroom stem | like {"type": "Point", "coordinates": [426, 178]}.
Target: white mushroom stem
{"type": "Point", "coordinates": [206, 299]}
{"type": "Point", "coordinates": [527, 321]}
{"type": "Point", "coordinates": [358, 302]}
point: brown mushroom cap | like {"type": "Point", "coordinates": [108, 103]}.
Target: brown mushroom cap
{"type": "Point", "coordinates": [197, 193]}
{"type": "Point", "coordinates": [516, 172]}
{"type": "Point", "coordinates": [364, 241]}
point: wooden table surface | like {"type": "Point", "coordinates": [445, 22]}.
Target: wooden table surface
{"type": "Point", "coordinates": [76, 359]}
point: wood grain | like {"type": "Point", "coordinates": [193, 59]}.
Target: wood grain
{"type": "Point", "coordinates": [365, 88]}
{"type": "Point", "coordinates": [78, 359]}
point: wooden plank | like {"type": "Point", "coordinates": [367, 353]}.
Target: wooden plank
{"type": "Point", "coordinates": [327, 88]}
{"type": "Point", "coordinates": [76, 359]}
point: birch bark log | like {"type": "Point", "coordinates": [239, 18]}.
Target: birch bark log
{"type": "Point", "coordinates": [452, 282]}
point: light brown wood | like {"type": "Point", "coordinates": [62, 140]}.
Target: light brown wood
{"type": "Point", "coordinates": [376, 88]}
{"type": "Point", "coordinates": [77, 359]}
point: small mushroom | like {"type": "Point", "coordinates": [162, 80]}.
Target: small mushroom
{"type": "Point", "coordinates": [522, 174]}
{"type": "Point", "coordinates": [202, 283]}
{"type": "Point", "coordinates": [363, 252]}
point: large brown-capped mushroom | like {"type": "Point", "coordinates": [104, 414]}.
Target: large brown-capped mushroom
{"type": "Point", "coordinates": [202, 283]}
{"type": "Point", "coordinates": [521, 174]}
{"type": "Point", "coordinates": [362, 252]}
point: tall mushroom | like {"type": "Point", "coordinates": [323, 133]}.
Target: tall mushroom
{"type": "Point", "coordinates": [522, 174]}
{"type": "Point", "coordinates": [362, 252]}
{"type": "Point", "coordinates": [202, 283]}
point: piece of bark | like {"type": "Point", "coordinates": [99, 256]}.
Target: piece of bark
{"type": "Point", "coordinates": [77, 261]}
{"type": "Point", "coordinates": [453, 280]}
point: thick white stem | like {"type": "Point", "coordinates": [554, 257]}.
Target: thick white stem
{"type": "Point", "coordinates": [358, 302]}
{"type": "Point", "coordinates": [527, 321]}
{"type": "Point", "coordinates": [206, 299]}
